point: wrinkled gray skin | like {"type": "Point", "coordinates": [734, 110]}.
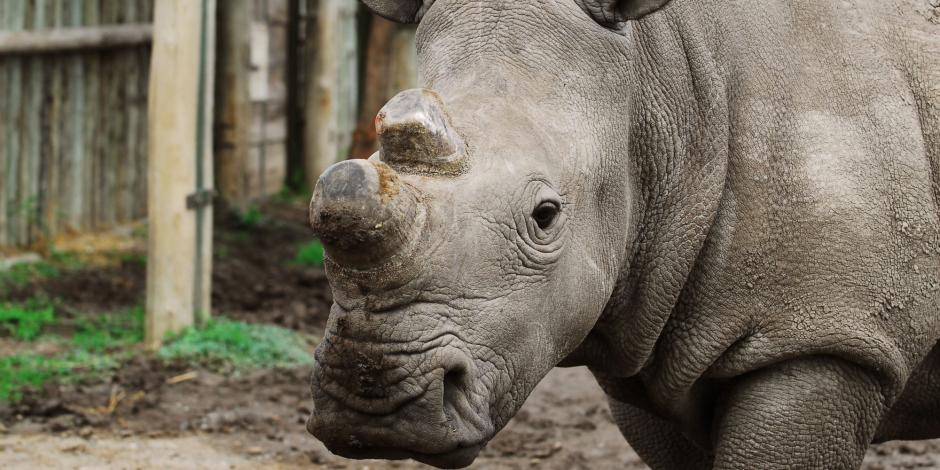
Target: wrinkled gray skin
{"type": "Point", "coordinates": [747, 253]}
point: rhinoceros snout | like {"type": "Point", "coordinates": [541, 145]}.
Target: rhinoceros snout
{"type": "Point", "coordinates": [391, 401]}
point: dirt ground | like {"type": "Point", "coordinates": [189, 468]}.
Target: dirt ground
{"type": "Point", "coordinates": [152, 415]}
{"type": "Point", "coordinates": [214, 422]}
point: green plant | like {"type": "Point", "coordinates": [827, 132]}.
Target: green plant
{"type": "Point", "coordinates": [110, 331]}
{"type": "Point", "coordinates": [20, 372]}
{"type": "Point", "coordinates": [25, 322]}
{"type": "Point", "coordinates": [229, 344]}
{"type": "Point", "coordinates": [250, 217]}
{"type": "Point", "coordinates": [310, 254]}
{"type": "Point", "coordinates": [129, 257]}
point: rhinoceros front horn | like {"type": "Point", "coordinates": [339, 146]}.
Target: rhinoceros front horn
{"type": "Point", "coordinates": [362, 214]}
{"type": "Point", "coordinates": [416, 135]}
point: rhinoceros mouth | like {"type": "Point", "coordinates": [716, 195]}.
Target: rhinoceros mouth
{"type": "Point", "coordinates": [458, 458]}
{"type": "Point", "coordinates": [443, 436]}
{"type": "Point", "coordinates": [426, 398]}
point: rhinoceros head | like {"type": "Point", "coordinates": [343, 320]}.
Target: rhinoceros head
{"type": "Point", "coordinates": [479, 246]}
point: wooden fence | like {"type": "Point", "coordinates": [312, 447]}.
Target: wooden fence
{"type": "Point", "coordinates": [73, 105]}
{"type": "Point", "coordinates": [72, 122]}
{"type": "Point", "coordinates": [72, 119]}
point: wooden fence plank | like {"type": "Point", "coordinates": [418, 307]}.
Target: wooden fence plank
{"type": "Point", "coordinates": [5, 158]}
{"type": "Point", "coordinates": [320, 148]}
{"type": "Point", "coordinates": [234, 111]}
{"type": "Point", "coordinates": [348, 79]}
{"type": "Point", "coordinates": [33, 91]}
{"type": "Point", "coordinates": [143, 61]}
{"type": "Point", "coordinates": [71, 39]}
{"type": "Point", "coordinates": [16, 16]}
{"type": "Point", "coordinates": [110, 123]}
{"type": "Point", "coordinates": [73, 193]}
{"type": "Point", "coordinates": [125, 140]}
{"type": "Point", "coordinates": [51, 119]}
{"type": "Point", "coordinates": [5, 123]}
{"type": "Point", "coordinates": [93, 137]}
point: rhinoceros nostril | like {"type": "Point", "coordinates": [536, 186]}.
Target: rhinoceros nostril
{"type": "Point", "coordinates": [454, 382]}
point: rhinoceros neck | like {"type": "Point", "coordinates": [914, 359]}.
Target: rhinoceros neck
{"type": "Point", "coordinates": [679, 140]}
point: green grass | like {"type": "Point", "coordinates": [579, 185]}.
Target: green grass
{"type": "Point", "coordinates": [109, 331]}
{"type": "Point", "coordinates": [99, 344]}
{"type": "Point", "coordinates": [25, 322]}
{"type": "Point", "coordinates": [228, 344]}
{"type": "Point", "coordinates": [24, 273]}
{"type": "Point", "coordinates": [310, 254]}
{"type": "Point", "coordinates": [21, 372]}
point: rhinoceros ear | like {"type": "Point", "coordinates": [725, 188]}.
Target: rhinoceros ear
{"type": "Point", "coordinates": [611, 12]}
{"type": "Point", "coordinates": [401, 11]}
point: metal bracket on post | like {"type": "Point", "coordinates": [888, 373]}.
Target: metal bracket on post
{"type": "Point", "coordinates": [200, 199]}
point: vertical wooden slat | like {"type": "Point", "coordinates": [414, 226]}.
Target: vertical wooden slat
{"type": "Point", "coordinates": [233, 112]}
{"type": "Point", "coordinates": [92, 136]}
{"type": "Point", "coordinates": [110, 118]}
{"type": "Point", "coordinates": [5, 124]}
{"type": "Point", "coordinates": [16, 15]}
{"type": "Point", "coordinates": [34, 90]}
{"type": "Point", "coordinates": [348, 79]}
{"type": "Point", "coordinates": [140, 196]}
{"type": "Point", "coordinates": [143, 66]}
{"type": "Point", "coordinates": [77, 167]}
{"type": "Point", "coordinates": [52, 126]}
{"type": "Point", "coordinates": [125, 139]}
{"type": "Point", "coordinates": [4, 157]}
{"type": "Point", "coordinates": [323, 66]}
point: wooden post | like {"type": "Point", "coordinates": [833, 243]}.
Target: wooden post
{"type": "Point", "coordinates": [295, 179]}
{"type": "Point", "coordinates": [390, 67]}
{"type": "Point", "coordinates": [321, 128]}
{"type": "Point", "coordinates": [180, 166]}
{"type": "Point", "coordinates": [375, 93]}
{"type": "Point", "coordinates": [404, 62]}
{"type": "Point", "coordinates": [234, 111]}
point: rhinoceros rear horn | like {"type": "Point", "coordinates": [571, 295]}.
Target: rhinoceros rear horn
{"type": "Point", "coordinates": [401, 11]}
{"type": "Point", "coordinates": [416, 135]}
{"type": "Point", "coordinates": [611, 12]}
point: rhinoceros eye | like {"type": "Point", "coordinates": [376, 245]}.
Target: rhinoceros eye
{"type": "Point", "coordinates": [545, 214]}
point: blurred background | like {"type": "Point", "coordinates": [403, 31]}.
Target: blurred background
{"type": "Point", "coordinates": [161, 293]}
{"type": "Point", "coordinates": [73, 120]}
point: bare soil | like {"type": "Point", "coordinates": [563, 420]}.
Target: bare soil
{"type": "Point", "coordinates": [151, 414]}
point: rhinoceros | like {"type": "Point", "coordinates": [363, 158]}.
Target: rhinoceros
{"type": "Point", "coordinates": [728, 210]}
